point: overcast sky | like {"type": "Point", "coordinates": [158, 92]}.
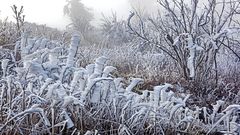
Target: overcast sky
{"type": "Point", "coordinates": [50, 12]}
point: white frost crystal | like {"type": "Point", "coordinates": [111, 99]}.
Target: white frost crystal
{"type": "Point", "coordinates": [75, 41]}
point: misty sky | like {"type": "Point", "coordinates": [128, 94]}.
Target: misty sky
{"type": "Point", "coordinates": [50, 12]}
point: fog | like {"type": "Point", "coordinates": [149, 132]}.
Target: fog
{"type": "Point", "coordinates": [146, 6]}
{"type": "Point", "coordinates": [50, 12]}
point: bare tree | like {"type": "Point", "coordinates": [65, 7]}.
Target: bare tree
{"type": "Point", "coordinates": [193, 34]}
{"type": "Point", "coordinates": [19, 17]}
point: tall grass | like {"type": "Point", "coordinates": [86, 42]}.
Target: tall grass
{"type": "Point", "coordinates": [49, 91]}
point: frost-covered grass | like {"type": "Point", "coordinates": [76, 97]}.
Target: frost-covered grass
{"type": "Point", "coordinates": [9, 33]}
{"type": "Point", "coordinates": [156, 68]}
{"type": "Point", "coordinates": [47, 92]}
{"type": "Point", "coordinates": [129, 61]}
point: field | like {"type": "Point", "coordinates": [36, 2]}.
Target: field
{"type": "Point", "coordinates": [137, 76]}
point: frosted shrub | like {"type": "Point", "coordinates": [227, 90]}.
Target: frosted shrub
{"type": "Point", "coordinates": [193, 34]}
{"type": "Point", "coordinates": [114, 32]}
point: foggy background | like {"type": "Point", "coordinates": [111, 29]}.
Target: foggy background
{"type": "Point", "coordinates": [50, 12]}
